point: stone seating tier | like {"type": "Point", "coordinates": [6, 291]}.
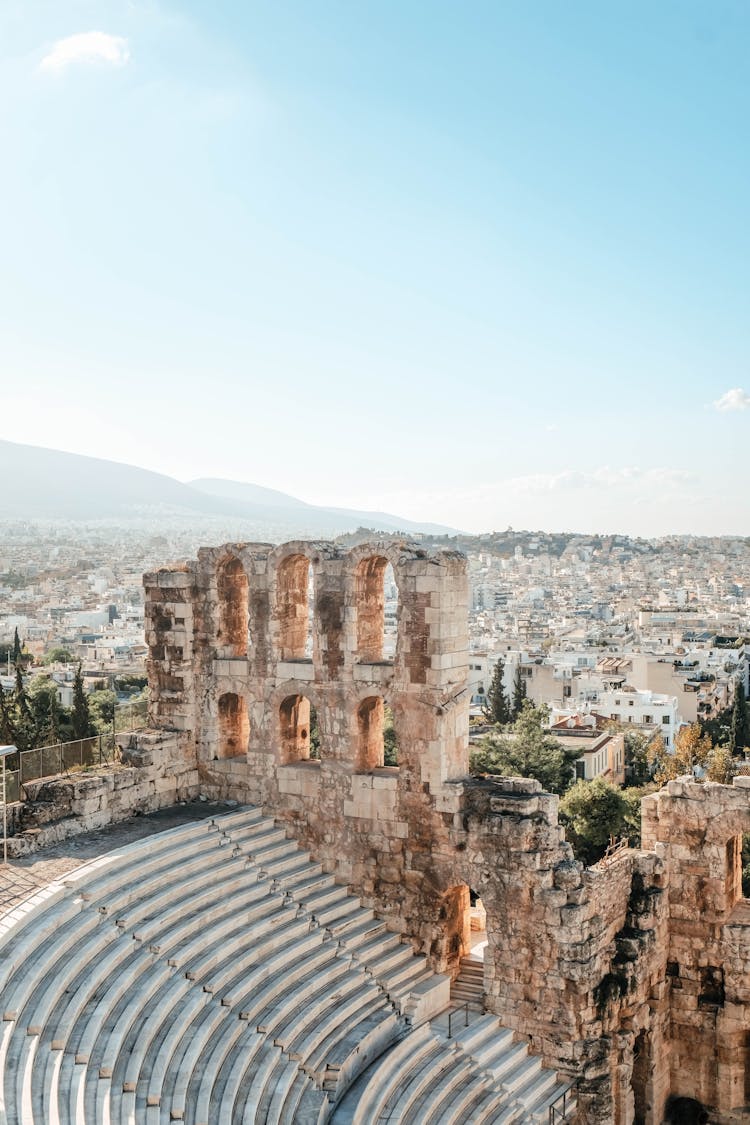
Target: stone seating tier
{"type": "Point", "coordinates": [215, 974]}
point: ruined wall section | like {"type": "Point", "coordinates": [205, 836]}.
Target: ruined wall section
{"type": "Point", "coordinates": [170, 627]}
{"type": "Point", "coordinates": [410, 839]}
{"type": "Point", "coordinates": [698, 828]}
{"type": "Point", "coordinates": [202, 683]}
{"type": "Point", "coordinates": [631, 976]}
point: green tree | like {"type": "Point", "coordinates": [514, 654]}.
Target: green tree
{"type": "Point", "coordinates": [130, 685]}
{"type": "Point", "coordinates": [632, 798]}
{"type": "Point", "coordinates": [102, 707]}
{"type": "Point", "coordinates": [739, 727]}
{"type": "Point", "coordinates": [46, 713]}
{"type": "Point", "coordinates": [22, 720]}
{"type": "Point", "coordinates": [7, 728]}
{"type": "Point", "coordinates": [637, 766]}
{"type": "Point", "coordinates": [519, 693]}
{"type": "Point", "coordinates": [80, 716]}
{"type": "Point", "coordinates": [527, 751]}
{"type": "Point", "coordinates": [718, 727]}
{"type": "Point", "coordinates": [16, 647]}
{"type": "Point", "coordinates": [58, 655]}
{"type": "Point", "coordinates": [496, 709]}
{"type": "Point", "coordinates": [390, 745]}
{"type": "Point", "coordinates": [592, 812]}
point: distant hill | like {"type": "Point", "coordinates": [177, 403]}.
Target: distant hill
{"type": "Point", "coordinates": [47, 484]}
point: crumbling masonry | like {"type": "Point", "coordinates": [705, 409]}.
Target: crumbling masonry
{"type": "Point", "coordinates": [632, 977]}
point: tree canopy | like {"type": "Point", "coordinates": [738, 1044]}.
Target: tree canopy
{"type": "Point", "coordinates": [739, 725]}
{"type": "Point", "coordinates": [692, 755]}
{"type": "Point", "coordinates": [496, 707]}
{"type": "Point", "coordinates": [527, 751]}
{"type": "Point", "coordinates": [519, 693]}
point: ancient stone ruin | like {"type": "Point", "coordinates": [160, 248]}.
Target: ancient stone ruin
{"type": "Point", "coordinates": [631, 978]}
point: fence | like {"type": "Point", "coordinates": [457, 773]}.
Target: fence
{"type": "Point", "coordinates": [60, 758]}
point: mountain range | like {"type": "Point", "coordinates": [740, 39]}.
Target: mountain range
{"type": "Point", "coordinates": [47, 484]}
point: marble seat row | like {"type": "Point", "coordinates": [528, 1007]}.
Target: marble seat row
{"type": "Point", "coordinates": [216, 974]}
{"type": "Point", "coordinates": [210, 973]}
{"type": "Point", "coordinates": [429, 1080]}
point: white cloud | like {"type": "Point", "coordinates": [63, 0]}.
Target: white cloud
{"type": "Point", "coordinates": [87, 47]}
{"type": "Point", "coordinates": [736, 399]}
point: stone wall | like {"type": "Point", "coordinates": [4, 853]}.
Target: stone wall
{"type": "Point", "coordinates": [698, 829]}
{"type": "Point", "coordinates": [630, 977]}
{"type": "Point", "coordinates": [157, 772]}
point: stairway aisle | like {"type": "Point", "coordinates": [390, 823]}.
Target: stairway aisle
{"type": "Point", "coordinates": [468, 987]}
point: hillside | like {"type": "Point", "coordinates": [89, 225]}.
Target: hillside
{"type": "Point", "coordinates": [47, 484]}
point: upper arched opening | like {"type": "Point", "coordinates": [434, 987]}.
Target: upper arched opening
{"type": "Point", "coordinates": [294, 607]}
{"type": "Point", "coordinates": [232, 588]}
{"type": "Point", "coordinates": [376, 596]}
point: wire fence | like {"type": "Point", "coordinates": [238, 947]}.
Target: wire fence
{"type": "Point", "coordinates": [69, 757]}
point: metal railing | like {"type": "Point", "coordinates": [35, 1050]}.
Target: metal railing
{"type": "Point", "coordinates": [558, 1111]}
{"type": "Point", "coordinates": [61, 758]}
{"type": "Point", "coordinates": [454, 1012]}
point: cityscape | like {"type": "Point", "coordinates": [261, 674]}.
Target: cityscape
{"type": "Point", "coordinates": [374, 563]}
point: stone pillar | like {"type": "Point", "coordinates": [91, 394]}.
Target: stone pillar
{"type": "Point", "coordinates": [169, 636]}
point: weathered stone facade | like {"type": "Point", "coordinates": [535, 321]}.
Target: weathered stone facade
{"type": "Point", "coordinates": [631, 976]}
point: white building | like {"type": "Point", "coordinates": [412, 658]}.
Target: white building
{"type": "Point", "coordinates": [648, 709]}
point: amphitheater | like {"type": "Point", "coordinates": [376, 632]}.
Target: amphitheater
{"type": "Point", "coordinates": [299, 949]}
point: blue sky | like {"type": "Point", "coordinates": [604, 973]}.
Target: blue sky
{"type": "Point", "coordinates": [479, 263]}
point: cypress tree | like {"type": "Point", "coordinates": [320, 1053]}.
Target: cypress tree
{"type": "Point", "coordinates": [496, 709]}
{"type": "Point", "coordinates": [519, 693]}
{"type": "Point", "coordinates": [24, 724]}
{"type": "Point", "coordinates": [739, 729]}
{"type": "Point", "coordinates": [80, 714]}
{"type": "Point", "coordinates": [16, 647]}
{"type": "Point", "coordinates": [19, 695]}
{"type": "Point", "coordinates": [7, 731]}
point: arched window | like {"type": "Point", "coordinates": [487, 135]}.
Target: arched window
{"type": "Point", "coordinates": [234, 726]}
{"type": "Point", "coordinates": [733, 870]}
{"type": "Point", "coordinates": [233, 608]}
{"type": "Point", "coordinates": [390, 613]}
{"type": "Point", "coordinates": [293, 607]}
{"type": "Point", "coordinates": [295, 717]}
{"type": "Point", "coordinates": [376, 735]}
{"type": "Point", "coordinates": [376, 597]}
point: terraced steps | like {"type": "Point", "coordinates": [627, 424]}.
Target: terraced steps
{"type": "Point", "coordinates": [468, 987]}
{"type": "Point", "coordinates": [214, 974]}
{"type": "Point", "coordinates": [200, 974]}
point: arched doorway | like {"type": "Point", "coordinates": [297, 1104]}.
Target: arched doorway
{"type": "Point", "coordinates": [234, 726]}
{"type": "Point", "coordinates": [463, 921]}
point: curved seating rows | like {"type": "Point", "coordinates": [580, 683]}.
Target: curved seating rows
{"type": "Point", "coordinates": [214, 974]}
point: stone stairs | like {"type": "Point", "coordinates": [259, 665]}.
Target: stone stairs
{"type": "Point", "coordinates": [468, 987]}
{"type": "Point", "coordinates": [214, 974]}
{"type": "Point", "coordinates": [481, 1076]}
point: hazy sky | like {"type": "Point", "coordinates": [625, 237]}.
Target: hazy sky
{"type": "Point", "coordinates": [480, 263]}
